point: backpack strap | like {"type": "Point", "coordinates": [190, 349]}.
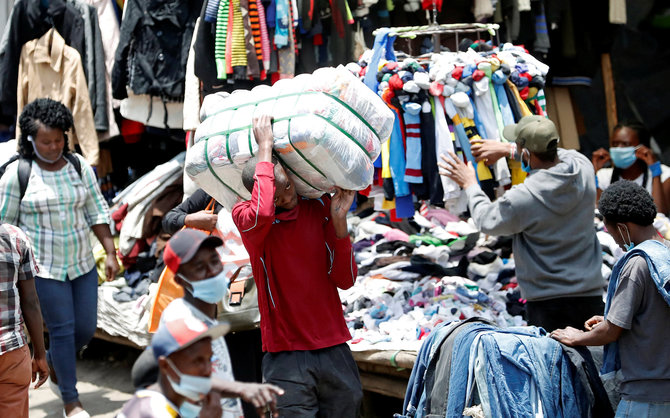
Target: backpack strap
{"type": "Point", "coordinates": [71, 157]}
{"type": "Point", "coordinates": [3, 167]}
{"type": "Point", "coordinates": [25, 167]}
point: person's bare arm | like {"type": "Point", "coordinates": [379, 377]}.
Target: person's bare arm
{"type": "Point", "coordinates": [490, 151]}
{"type": "Point", "coordinates": [32, 316]}
{"type": "Point", "coordinates": [262, 396]}
{"type": "Point", "coordinates": [603, 333]}
{"type": "Point", "coordinates": [104, 235]}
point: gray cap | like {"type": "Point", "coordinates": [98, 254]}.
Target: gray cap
{"type": "Point", "coordinates": [535, 133]}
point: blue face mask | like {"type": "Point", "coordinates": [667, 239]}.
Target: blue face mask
{"type": "Point", "coordinates": [630, 244]}
{"type": "Point", "coordinates": [210, 290]}
{"type": "Point", "coordinates": [190, 387]}
{"type": "Point", "coordinates": [525, 166]}
{"type": "Point", "coordinates": [623, 157]}
{"type": "Point", "coordinates": [189, 410]}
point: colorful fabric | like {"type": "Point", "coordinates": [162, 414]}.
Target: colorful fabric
{"type": "Point", "coordinates": [255, 23]}
{"type": "Point", "coordinates": [238, 48]}
{"type": "Point", "coordinates": [413, 172]}
{"type": "Point", "coordinates": [220, 40]}
{"type": "Point", "coordinates": [229, 40]}
{"type": "Point", "coordinates": [56, 213]}
{"type": "Point", "coordinates": [265, 38]}
{"type": "Point", "coordinates": [16, 263]}
{"type": "Point", "coordinates": [282, 16]}
{"type": "Point", "coordinates": [211, 10]}
{"type": "Point", "coordinates": [253, 69]}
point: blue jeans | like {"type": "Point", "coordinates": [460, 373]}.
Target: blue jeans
{"type": "Point", "coordinates": [642, 409]}
{"type": "Point", "coordinates": [70, 311]}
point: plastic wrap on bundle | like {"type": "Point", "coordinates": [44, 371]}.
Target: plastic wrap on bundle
{"type": "Point", "coordinates": [328, 129]}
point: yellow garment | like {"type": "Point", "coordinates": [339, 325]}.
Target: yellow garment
{"type": "Point", "coordinates": [483, 172]}
{"type": "Point", "coordinates": [388, 204]}
{"type": "Point", "coordinates": [524, 108]}
{"type": "Point", "coordinates": [100, 255]}
{"type": "Point", "coordinates": [49, 68]}
{"type": "Point", "coordinates": [238, 49]}
{"type": "Point", "coordinates": [518, 175]}
{"type": "Point", "coordinates": [386, 156]}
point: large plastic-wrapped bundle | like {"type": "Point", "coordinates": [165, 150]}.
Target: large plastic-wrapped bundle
{"type": "Point", "coordinates": [328, 129]}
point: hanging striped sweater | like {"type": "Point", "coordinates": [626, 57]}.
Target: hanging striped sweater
{"type": "Point", "coordinates": [238, 50]}
{"type": "Point", "coordinates": [220, 40]}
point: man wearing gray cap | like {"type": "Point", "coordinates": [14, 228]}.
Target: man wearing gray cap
{"type": "Point", "coordinates": [550, 216]}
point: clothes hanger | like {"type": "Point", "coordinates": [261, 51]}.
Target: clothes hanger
{"type": "Point", "coordinates": [435, 30]}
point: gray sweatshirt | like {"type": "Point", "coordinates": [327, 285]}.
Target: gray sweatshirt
{"type": "Point", "coordinates": [550, 215]}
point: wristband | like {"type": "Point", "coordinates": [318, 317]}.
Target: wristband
{"type": "Point", "coordinates": [597, 186]}
{"type": "Point", "coordinates": [655, 169]}
{"type": "Point", "coordinates": [512, 151]}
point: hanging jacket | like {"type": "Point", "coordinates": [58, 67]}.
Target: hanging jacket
{"type": "Point", "coordinates": [153, 49]}
{"type": "Point", "coordinates": [49, 68]}
{"type": "Point", "coordinates": [29, 21]}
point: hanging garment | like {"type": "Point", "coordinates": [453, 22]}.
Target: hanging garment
{"type": "Point", "coordinates": [265, 37]}
{"type": "Point", "coordinates": [153, 48]}
{"type": "Point", "coordinates": [109, 36]}
{"type": "Point", "coordinates": [413, 139]}
{"type": "Point", "coordinates": [94, 63]}
{"type": "Point", "coordinates": [238, 51]}
{"type": "Point", "coordinates": [431, 175]}
{"type": "Point", "coordinates": [221, 38]}
{"type": "Point", "coordinates": [30, 21]}
{"type": "Point", "coordinates": [443, 145]}
{"type": "Point", "coordinates": [152, 111]}
{"type": "Point", "coordinates": [282, 23]}
{"type": "Point", "coordinates": [397, 157]}
{"type": "Point", "coordinates": [49, 68]}
{"type": "Point", "coordinates": [254, 20]}
{"type": "Point", "coordinates": [191, 112]}
{"type": "Point", "coordinates": [253, 69]}
{"type": "Point", "coordinates": [211, 11]}
{"type": "Point", "coordinates": [499, 78]}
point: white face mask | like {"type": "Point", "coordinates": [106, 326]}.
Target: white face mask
{"type": "Point", "coordinates": [40, 156]}
{"type": "Point", "coordinates": [189, 410]}
{"type": "Point", "coordinates": [190, 387]}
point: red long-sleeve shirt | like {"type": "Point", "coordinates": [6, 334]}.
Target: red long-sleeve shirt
{"type": "Point", "coordinates": [298, 263]}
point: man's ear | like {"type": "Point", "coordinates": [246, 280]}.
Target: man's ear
{"type": "Point", "coordinates": [183, 283]}
{"type": "Point", "coordinates": [166, 370]}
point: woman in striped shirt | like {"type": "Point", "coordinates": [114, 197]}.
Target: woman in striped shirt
{"type": "Point", "coordinates": [59, 206]}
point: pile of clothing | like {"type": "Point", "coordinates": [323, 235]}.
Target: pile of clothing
{"type": "Point", "coordinates": [128, 319]}
{"type": "Point", "coordinates": [474, 368]}
{"type": "Point", "coordinates": [440, 105]}
{"type": "Point", "coordinates": [415, 275]}
{"type": "Point", "coordinates": [328, 129]}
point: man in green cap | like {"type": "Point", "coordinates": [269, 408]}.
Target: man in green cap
{"type": "Point", "coordinates": [557, 254]}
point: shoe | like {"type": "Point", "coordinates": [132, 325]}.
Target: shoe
{"type": "Point", "coordinates": [81, 414]}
